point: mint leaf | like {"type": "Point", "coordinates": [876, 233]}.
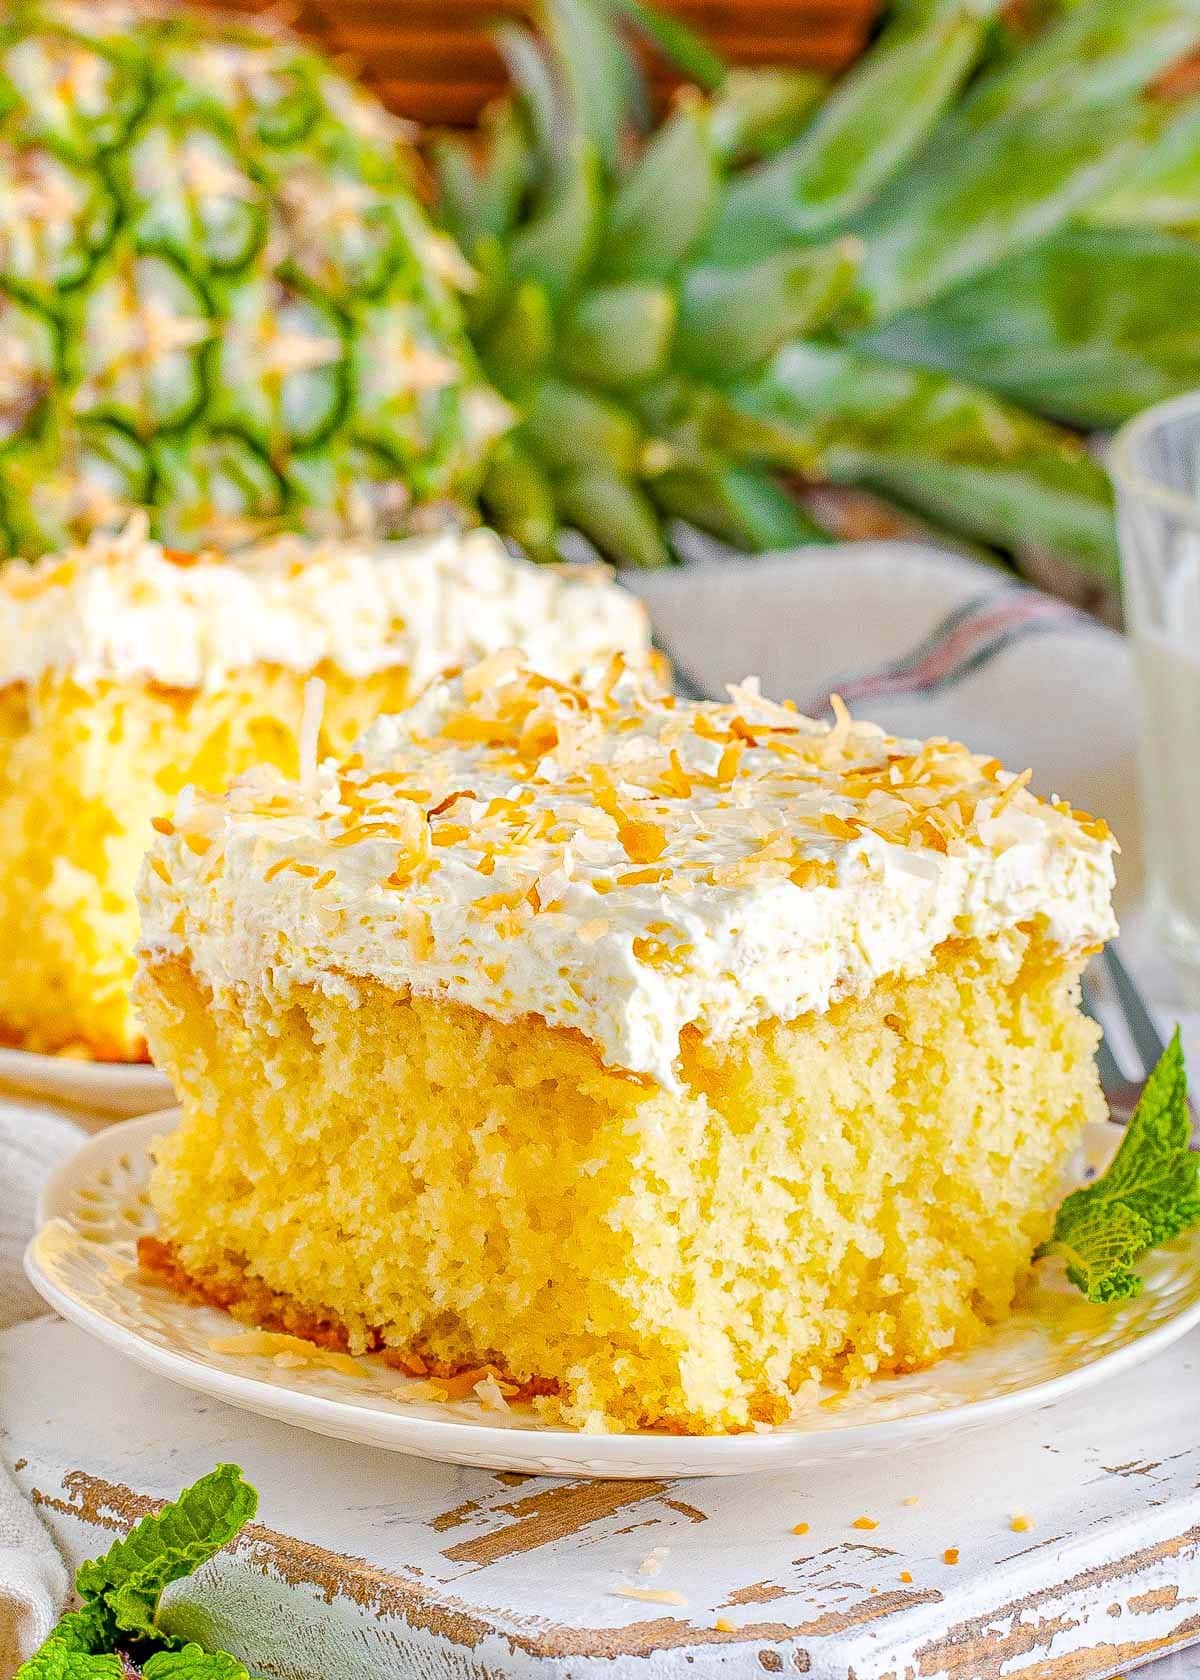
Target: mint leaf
{"type": "Point", "coordinates": [121, 1591]}
{"type": "Point", "coordinates": [58, 1660]}
{"type": "Point", "coordinates": [1150, 1192]}
{"type": "Point", "coordinates": [88, 1629]}
{"type": "Point", "coordinates": [130, 1577]}
{"type": "Point", "coordinates": [193, 1662]}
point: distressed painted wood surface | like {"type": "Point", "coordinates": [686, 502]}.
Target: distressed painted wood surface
{"type": "Point", "coordinates": [365, 1563]}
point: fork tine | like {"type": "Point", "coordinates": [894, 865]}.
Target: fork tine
{"type": "Point", "coordinates": [1111, 1077]}
{"type": "Point", "coordinates": [684, 683]}
{"type": "Point", "coordinates": [1147, 1040]}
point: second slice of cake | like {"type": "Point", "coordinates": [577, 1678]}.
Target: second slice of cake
{"type": "Point", "coordinates": [129, 670]}
{"type": "Point", "coordinates": [666, 1057]}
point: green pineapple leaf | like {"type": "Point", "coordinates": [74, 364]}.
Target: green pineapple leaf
{"type": "Point", "coordinates": [681, 45]}
{"type": "Point", "coordinates": [1149, 1193]}
{"type": "Point", "coordinates": [949, 450]}
{"type": "Point", "coordinates": [1162, 186]}
{"type": "Point", "coordinates": [877, 118]}
{"type": "Point", "coordinates": [1012, 183]}
{"type": "Point", "coordinates": [733, 318]}
{"type": "Point", "coordinates": [744, 506]}
{"type": "Point", "coordinates": [663, 205]}
{"type": "Point", "coordinates": [1084, 326]}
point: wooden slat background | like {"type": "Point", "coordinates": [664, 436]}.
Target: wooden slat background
{"type": "Point", "coordinates": [431, 59]}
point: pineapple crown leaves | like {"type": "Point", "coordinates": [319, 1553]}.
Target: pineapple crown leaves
{"type": "Point", "coordinates": [915, 231]}
{"type": "Point", "coordinates": [1149, 1193]}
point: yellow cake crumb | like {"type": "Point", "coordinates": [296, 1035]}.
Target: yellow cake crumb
{"type": "Point", "coordinates": [84, 774]}
{"type": "Point", "coordinates": [850, 1192]}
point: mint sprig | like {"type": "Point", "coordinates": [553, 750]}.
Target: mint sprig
{"type": "Point", "coordinates": [1149, 1194]}
{"type": "Point", "coordinates": [118, 1618]}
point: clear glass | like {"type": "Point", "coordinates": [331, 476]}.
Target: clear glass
{"type": "Point", "coordinates": [1156, 468]}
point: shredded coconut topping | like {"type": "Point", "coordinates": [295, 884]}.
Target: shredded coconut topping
{"type": "Point", "coordinates": [619, 862]}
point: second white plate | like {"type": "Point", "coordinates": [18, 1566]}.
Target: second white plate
{"type": "Point", "coordinates": [117, 1088]}
{"type": "Point", "coordinates": [83, 1262]}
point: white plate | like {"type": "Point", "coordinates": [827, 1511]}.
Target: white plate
{"type": "Point", "coordinates": [82, 1262]}
{"type": "Point", "coordinates": [118, 1088]}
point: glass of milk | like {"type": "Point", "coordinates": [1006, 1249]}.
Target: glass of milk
{"type": "Point", "coordinates": [1156, 468]}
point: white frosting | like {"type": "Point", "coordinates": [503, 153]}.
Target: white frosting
{"type": "Point", "coordinates": [123, 608]}
{"type": "Point", "coordinates": [540, 905]}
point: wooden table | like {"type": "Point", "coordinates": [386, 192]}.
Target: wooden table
{"type": "Point", "coordinates": [432, 60]}
{"type": "Point", "coordinates": [370, 1566]}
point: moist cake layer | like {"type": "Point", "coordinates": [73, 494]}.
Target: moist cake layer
{"type": "Point", "coordinates": [127, 608]}
{"type": "Point", "coordinates": [851, 1192]}
{"type": "Point", "coordinates": [619, 863]}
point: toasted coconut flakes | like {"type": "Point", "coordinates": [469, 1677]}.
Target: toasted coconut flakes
{"type": "Point", "coordinates": [727, 764]}
{"type": "Point", "coordinates": [418, 930]}
{"type": "Point", "coordinates": [650, 1595]}
{"type": "Point", "coordinates": [1011, 790]}
{"type": "Point", "coordinates": [588, 932]}
{"type": "Point", "coordinates": [311, 718]}
{"type": "Point", "coordinates": [492, 1394]}
{"type": "Point", "coordinates": [502, 900]}
{"type": "Point", "coordinates": [445, 804]}
{"type": "Point", "coordinates": [491, 673]}
{"type": "Point", "coordinates": [273, 1342]}
{"type": "Point", "coordinates": [676, 777]}
{"type": "Point", "coordinates": [642, 842]}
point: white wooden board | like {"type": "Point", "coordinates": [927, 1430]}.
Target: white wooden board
{"type": "Point", "coordinates": [365, 1563]}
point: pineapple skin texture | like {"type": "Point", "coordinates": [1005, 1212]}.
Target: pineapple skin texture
{"type": "Point", "coordinates": [83, 771]}
{"type": "Point", "coordinates": [844, 1194]}
{"type": "Point", "coordinates": [219, 296]}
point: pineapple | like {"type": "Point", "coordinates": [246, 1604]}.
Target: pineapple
{"type": "Point", "coordinates": [917, 290]}
{"type": "Point", "coordinates": [219, 295]}
{"type": "Point", "coordinates": [926, 283]}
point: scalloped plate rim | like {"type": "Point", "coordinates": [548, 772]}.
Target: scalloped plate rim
{"type": "Point", "coordinates": [542, 1449]}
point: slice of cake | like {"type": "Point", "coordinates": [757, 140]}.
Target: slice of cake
{"type": "Point", "coordinates": [664, 1057]}
{"type": "Point", "coordinates": [128, 671]}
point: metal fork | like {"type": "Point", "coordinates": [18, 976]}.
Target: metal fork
{"type": "Point", "coordinates": [1122, 1093]}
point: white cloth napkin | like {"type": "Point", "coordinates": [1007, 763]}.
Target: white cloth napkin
{"type": "Point", "coordinates": [919, 640]}
{"type": "Point", "coordinates": [34, 1139]}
